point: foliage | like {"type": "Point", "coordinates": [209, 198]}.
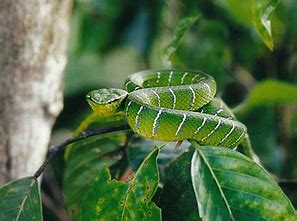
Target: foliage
{"type": "Point", "coordinates": [183, 26]}
{"type": "Point", "coordinates": [249, 47]}
{"type": "Point", "coordinates": [20, 200]}
{"type": "Point", "coordinates": [267, 93]}
{"type": "Point", "coordinates": [262, 11]}
{"type": "Point", "coordinates": [178, 190]}
{"type": "Point", "coordinates": [114, 200]}
{"type": "Point", "coordinates": [230, 186]}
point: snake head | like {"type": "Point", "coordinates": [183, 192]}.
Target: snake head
{"type": "Point", "coordinates": [107, 102]}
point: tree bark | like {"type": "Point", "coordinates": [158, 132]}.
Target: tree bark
{"type": "Point", "coordinates": [33, 39]}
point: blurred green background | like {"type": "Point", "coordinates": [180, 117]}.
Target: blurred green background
{"type": "Point", "coordinates": [111, 39]}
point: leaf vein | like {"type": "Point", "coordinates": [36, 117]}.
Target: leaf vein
{"type": "Point", "coordinates": [217, 182]}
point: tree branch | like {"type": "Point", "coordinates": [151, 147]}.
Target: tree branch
{"type": "Point", "coordinates": [85, 134]}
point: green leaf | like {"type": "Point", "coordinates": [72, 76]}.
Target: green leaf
{"type": "Point", "coordinates": [182, 27]}
{"type": "Point", "coordinates": [113, 200]}
{"type": "Point", "coordinates": [256, 13]}
{"type": "Point", "coordinates": [177, 199]}
{"type": "Point", "coordinates": [20, 200]}
{"type": "Point", "coordinates": [237, 10]}
{"type": "Point", "coordinates": [262, 11]}
{"type": "Point", "coordinates": [139, 148]}
{"type": "Point", "coordinates": [85, 158]}
{"type": "Point", "coordinates": [229, 186]}
{"type": "Point", "coordinates": [268, 93]}
{"type": "Point", "coordinates": [93, 121]}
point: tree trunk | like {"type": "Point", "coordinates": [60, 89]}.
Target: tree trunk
{"type": "Point", "coordinates": [33, 39]}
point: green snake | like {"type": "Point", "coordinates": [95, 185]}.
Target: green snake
{"type": "Point", "coordinates": [172, 105]}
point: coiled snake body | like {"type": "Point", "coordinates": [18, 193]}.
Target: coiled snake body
{"type": "Point", "coordinates": [172, 105]}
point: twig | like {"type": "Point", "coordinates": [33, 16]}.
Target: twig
{"type": "Point", "coordinates": [88, 133]}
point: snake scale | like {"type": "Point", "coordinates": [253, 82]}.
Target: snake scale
{"type": "Point", "coordinates": [172, 105]}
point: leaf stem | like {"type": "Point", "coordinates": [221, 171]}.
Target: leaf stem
{"type": "Point", "coordinates": [85, 134]}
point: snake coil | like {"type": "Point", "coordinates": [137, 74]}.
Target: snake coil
{"type": "Point", "coordinates": [174, 105]}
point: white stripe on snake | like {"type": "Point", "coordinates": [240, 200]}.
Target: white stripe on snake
{"type": "Point", "coordinates": [151, 113]}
